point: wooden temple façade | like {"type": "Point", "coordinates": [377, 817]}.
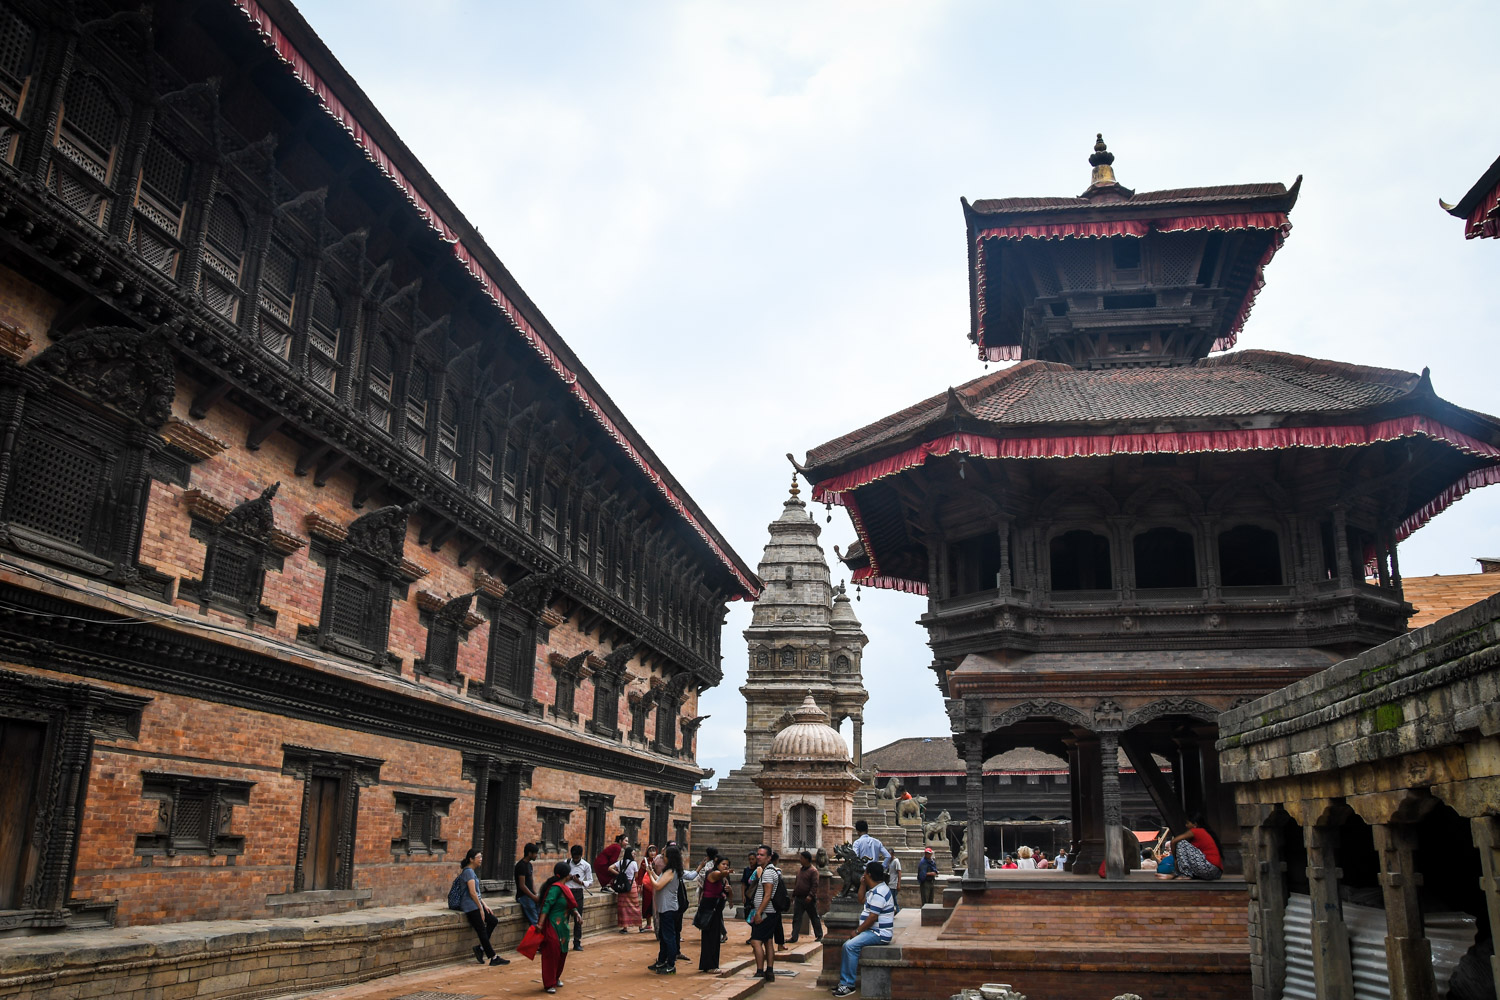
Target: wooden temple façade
{"type": "Point", "coordinates": [1129, 531]}
{"type": "Point", "coordinates": [322, 557]}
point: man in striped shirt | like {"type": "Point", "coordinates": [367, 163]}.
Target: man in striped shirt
{"type": "Point", "coordinates": [877, 922]}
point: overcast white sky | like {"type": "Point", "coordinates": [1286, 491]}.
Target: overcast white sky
{"type": "Point", "coordinates": [744, 217]}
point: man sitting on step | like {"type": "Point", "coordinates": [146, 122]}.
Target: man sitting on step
{"type": "Point", "coordinates": [877, 923]}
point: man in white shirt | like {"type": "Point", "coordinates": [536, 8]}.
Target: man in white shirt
{"type": "Point", "coordinates": [580, 877]}
{"type": "Point", "coordinates": [893, 873]}
{"type": "Point", "coordinates": [877, 923]}
{"type": "Point", "coordinates": [868, 847]}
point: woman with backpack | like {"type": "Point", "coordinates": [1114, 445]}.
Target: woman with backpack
{"type": "Point", "coordinates": [556, 924]}
{"type": "Point", "coordinates": [627, 900]}
{"type": "Point", "coordinates": [466, 896]}
{"type": "Point", "coordinates": [668, 900]}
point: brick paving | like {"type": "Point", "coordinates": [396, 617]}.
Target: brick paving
{"type": "Point", "coordinates": [611, 967]}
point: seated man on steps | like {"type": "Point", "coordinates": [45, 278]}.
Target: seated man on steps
{"type": "Point", "coordinates": [877, 922]}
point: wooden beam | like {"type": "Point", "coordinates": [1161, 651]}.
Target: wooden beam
{"type": "Point", "coordinates": [205, 400]}
{"type": "Point", "coordinates": [328, 468]}
{"type": "Point", "coordinates": [310, 458]}
{"type": "Point", "coordinates": [441, 536]}
{"type": "Point", "coordinates": [364, 489]}
{"type": "Point", "coordinates": [468, 551]}
{"type": "Point", "coordinates": [1156, 785]}
{"type": "Point", "coordinates": [263, 430]}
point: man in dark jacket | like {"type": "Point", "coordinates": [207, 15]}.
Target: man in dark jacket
{"type": "Point", "coordinates": [927, 876]}
{"type": "Point", "coordinates": [805, 899]}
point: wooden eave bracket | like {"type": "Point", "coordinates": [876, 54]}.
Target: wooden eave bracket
{"type": "Point", "coordinates": [190, 439]}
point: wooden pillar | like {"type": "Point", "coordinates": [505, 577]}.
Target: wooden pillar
{"type": "Point", "coordinates": [1002, 579]}
{"type": "Point", "coordinates": [974, 794]}
{"type": "Point", "coordinates": [1408, 954]}
{"type": "Point", "coordinates": [1075, 824]}
{"type": "Point", "coordinates": [1088, 819]}
{"type": "Point", "coordinates": [1487, 840]}
{"type": "Point", "coordinates": [1341, 546]}
{"type": "Point", "coordinates": [1190, 764]}
{"type": "Point", "coordinates": [1109, 795]}
{"type": "Point", "coordinates": [1268, 894]}
{"type": "Point", "coordinates": [1333, 969]}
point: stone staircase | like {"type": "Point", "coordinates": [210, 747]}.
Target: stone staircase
{"type": "Point", "coordinates": [729, 816]}
{"type": "Point", "coordinates": [905, 842]}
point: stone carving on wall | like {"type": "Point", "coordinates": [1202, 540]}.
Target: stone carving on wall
{"type": "Point", "coordinates": [381, 534]}
{"type": "Point", "coordinates": [128, 369]}
{"type": "Point", "coordinates": [1109, 715]}
{"type": "Point", "coordinates": [1172, 706]}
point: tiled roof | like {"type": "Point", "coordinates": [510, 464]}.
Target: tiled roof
{"type": "Point", "coordinates": [1244, 383]}
{"type": "Point", "coordinates": [1436, 597]}
{"type": "Point", "coordinates": [1155, 199]}
{"type": "Point", "coordinates": [936, 755]}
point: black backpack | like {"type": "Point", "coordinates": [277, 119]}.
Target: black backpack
{"type": "Point", "coordinates": [456, 893]}
{"type": "Point", "coordinates": [779, 898]}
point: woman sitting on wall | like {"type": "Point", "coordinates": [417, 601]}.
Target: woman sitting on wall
{"type": "Point", "coordinates": [1195, 852]}
{"type": "Point", "coordinates": [556, 924]}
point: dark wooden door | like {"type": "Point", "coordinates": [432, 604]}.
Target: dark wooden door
{"type": "Point", "coordinates": [321, 871]}
{"type": "Point", "coordinates": [498, 843]}
{"type": "Point", "coordinates": [21, 746]}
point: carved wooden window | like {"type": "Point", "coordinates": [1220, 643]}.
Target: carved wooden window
{"type": "Point", "coordinates": [380, 401]}
{"type": "Point", "coordinates": [1249, 556]}
{"type": "Point", "coordinates": [161, 195]}
{"type": "Point", "coordinates": [223, 259]}
{"type": "Point", "coordinates": [330, 806]}
{"type": "Point", "coordinates": [547, 515]}
{"type": "Point", "coordinates": [583, 540]}
{"type": "Point", "coordinates": [606, 720]}
{"type": "Point", "coordinates": [87, 144]}
{"type": "Point", "coordinates": [447, 442]}
{"type": "Point", "coordinates": [365, 571]}
{"type": "Point", "coordinates": [278, 299]}
{"type": "Point", "coordinates": [554, 829]}
{"type": "Point", "coordinates": [568, 674]}
{"type": "Point", "coordinates": [484, 466]}
{"type": "Point", "coordinates": [1164, 558]}
{"type": "Point", "coordinates": [630, 826]}
{"type": "Point", "coordinates": [447, 628]}
{"type": "Point", "coordinates": [325, 332]}
{"type": "Point", "coordinates": [421, 824]}
{"type": "Point", "coordinates": [1080, 560]}
{"type": "Point", "coordinates": [418, 391]}
{"type": "Point", "coordinates": [510, 481]}
{"type": "Point", "coordinates": [17, 58]}
{"type": "Point", "coordinates": [659, 805]}
{"type": "Point", "coordinates": [239, 553]}
{"type": "Point", "coordinates": [512, 657]}
{"type": "Point", "coordinates": [596, 807]}
{"type": "Point", "coordinates": [194, 814]}
{"type": "Point", "coordinates": [802, 823]}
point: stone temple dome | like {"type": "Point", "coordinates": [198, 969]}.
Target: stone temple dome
{"type": "Point", "coordinates": [843, 610]}
{"type": "Point", "coordinates": [809, 737]}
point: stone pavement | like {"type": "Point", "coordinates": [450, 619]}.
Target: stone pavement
{"type": "Point", "coordinates": [611, 966]}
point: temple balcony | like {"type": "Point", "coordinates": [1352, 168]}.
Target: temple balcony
{"type": "Point", "coordinates": [1322, 615]}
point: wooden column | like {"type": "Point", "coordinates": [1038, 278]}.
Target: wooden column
{"type": "Point", "coordinates": [1487, 840]}
{"type": "Point", "coordinates": [1333, 970]}
{"type": "Point", "coordinates": [974, 794]}
{"type": "Point", "coordinates": [1341, 546]}
{"type": "Point", "coordinates": [1075, 825]}
{"type": "Point", "coordinates": [1109, 788]}
{"type": "Point", "coordinates": [1088, 819]}
{"type": "Point", "coordinates": [1408, 954]}
{"type": "Point", "coordinates": [1002, 579]}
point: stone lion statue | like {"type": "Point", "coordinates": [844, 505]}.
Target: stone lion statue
{"type": "Point", "coordinates": [892, 789]}
{"type": "Point", "coordinates": [849, 870]}
{"type": "Point", "coordinates": [911, 809]}
{"type": "Point", "coordinates": [935, 831]}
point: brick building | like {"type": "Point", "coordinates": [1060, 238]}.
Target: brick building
{"type": "Point", "coordinates": [322, 557]}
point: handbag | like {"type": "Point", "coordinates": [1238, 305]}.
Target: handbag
{"type": "Point", "coordinates": [531, 942]}
{"type": "Point", "coordinates": [704, 915]}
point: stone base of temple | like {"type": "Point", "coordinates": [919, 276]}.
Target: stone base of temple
{"type": "Point", "coordinates": [256, 958]}
{"type": "Point", "coordinates": [1061, 937]}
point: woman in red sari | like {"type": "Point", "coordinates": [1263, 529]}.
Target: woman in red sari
{"type": "Point", "coordinates": [556, 924]}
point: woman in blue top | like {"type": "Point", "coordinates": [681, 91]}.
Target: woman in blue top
{"type": "Point", "coordinates": [480, 916]}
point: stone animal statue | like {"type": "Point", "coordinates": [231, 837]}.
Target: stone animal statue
{"type": "Point", "coordinates": [850, 869]}
{"type": "Point", "coordinates": [892, 789]}
{"type": "Point", "coordinates": [912, 808]}
{"type": "Point", "coordinates": [935, 832]}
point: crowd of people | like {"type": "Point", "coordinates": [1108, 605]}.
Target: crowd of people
{"type": "Point", "coordinates": [651, 895]}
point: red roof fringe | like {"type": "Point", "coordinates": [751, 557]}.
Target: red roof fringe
{"type": "Point", "coordinates": [287, 52]}
{"type": "Point", "coordinates": [1484, 220]}
{"type": "Point", "coordinates": [840, 489]}
{"type": "Point", "coordinates": [1135, 227]}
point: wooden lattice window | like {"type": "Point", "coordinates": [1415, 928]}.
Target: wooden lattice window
{"type": "Point", "coordinates": [194, 814]}
{"type": "Point", "coordinates": [223, 259]}
{"type": "Point", "coordinates": [554, 829]}
{"type": "Point", "coordinates": [447, 441]}
{"type": "Point", "coordinates": [17, 57]}
{"type": "Point", "coordinates": [547, 515]}
{"type": "Point", "coordinates": [510, 481]}
{"type": "Point", "coordinates": [87, 143]}
{"type": "Point", "coordinates": [802, 826]}
{"type": "Point", "coordinates": [161, 196]}
{"type": "Point", "coordinates": [421, 824]}
{"type": "Point", "coordinates": [485, 466]}
{"type": "Point", "coordinates": [325, 333]}
{"type": "Point", "coordinates": [380, 400]}
{"type": "Point", "coordinates": [278, 299]}
{"type": "Point", "coordinates": [418, 392]}
{"type": "Point", "coordinates": [583, 540]}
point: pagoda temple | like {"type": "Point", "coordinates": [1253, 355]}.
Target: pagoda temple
{"type": "Point", "coordinates": [1129, 532]}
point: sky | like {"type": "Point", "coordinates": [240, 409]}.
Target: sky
{"type": "Point", "coordinates": [744, 217]}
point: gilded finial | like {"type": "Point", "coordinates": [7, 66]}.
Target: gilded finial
{"type": "Point", "coordinates": [796, 490]}
{"type": "Point", "coordinates": [1103, 180]}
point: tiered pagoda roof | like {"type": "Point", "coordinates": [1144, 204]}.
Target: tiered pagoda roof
{"type": "Point", "coordinates": [1480, 208]}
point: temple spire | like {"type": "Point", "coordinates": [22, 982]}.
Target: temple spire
{"type": "Point", "coordinates": [1103, 181]}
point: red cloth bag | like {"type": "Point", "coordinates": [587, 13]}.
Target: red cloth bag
{"type": "Point", "coordinates": [531, 942]}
